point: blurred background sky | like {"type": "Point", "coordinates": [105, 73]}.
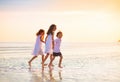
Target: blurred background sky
{"type": "Point", "coordinates": [80, 20]}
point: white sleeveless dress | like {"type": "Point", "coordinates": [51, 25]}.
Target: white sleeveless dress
{"type": "Point", "coordinates": [48, 45]}
{"type": "Point", "coordinates": [38, 48]}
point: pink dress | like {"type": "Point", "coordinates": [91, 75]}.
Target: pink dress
{"type": "Point", "coordinates": [48, 44]}
{"type": "Point", "coordinates": [38, 48]}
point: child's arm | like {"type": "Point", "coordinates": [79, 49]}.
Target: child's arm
{"type": "Point", "coordinates": [53, 41]}
{"type": "Point", "coordinates": [46, 38]}
{"type": "Point", "coordinates": [41, 39]}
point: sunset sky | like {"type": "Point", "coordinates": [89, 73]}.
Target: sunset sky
{"type": "Point", "coordinates": [79, 20]}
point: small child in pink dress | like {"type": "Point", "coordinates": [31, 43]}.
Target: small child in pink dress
{"type": "Point", "coordinates": [38, 48]}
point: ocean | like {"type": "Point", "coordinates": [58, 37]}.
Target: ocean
{"type": "Point", "coordinates": [82, 62]}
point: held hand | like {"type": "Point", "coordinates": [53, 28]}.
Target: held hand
{"type": "Point", "coordinates": [52, 47]}
{"type": "Point", "coordinates": [43, 41]}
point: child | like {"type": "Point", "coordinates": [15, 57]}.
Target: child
{"type": "Point", "coordinates": [49, 41]}
{"type": "Point", "coordinates": [38, 49]}
{"type": "Point", "coordinates": [56, 51]}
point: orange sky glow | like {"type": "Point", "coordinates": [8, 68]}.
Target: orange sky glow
{"type": "Point", "coordinates": [80, 20]}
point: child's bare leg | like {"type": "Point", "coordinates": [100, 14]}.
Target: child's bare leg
{"type": "Point", "coordinates": [51, 57]}
{"type": "Point", "coordinates": [60, 61]}
{"type": "Point", "coordinates": [42, 62]}
{"type": "Point", "coordinates": [46, 57]}
{"type": "Point", "coordinates": [50, 64]}
{"type": "Point", "coordinates": [31, 60]}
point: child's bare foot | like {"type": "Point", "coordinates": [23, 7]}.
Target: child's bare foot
{"type": "Point", "coordinates": [60, 66]}
{"type": "Point", "coordinates": [44, 64]}
{"type": "Point", "coordinates": [49, 66]}
{"type": "Point", "coordinates": [52, 65]}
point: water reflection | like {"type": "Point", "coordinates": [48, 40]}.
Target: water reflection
{"type": "Point", "coordinates": [46, 76]}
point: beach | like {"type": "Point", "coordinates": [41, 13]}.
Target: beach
{"type": "Point", "coordinates": [82, 62]}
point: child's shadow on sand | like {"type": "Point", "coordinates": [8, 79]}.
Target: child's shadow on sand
{"type": "Point", "coordinates": [42, 76]}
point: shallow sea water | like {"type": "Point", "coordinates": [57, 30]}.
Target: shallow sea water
{"type": "Point", "coordinates": [82, 62]}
